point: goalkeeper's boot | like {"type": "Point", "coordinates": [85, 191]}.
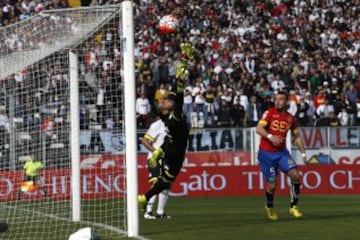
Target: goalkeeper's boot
{"type": "Point", "coordinates": [149, 215]}
{"type": "Point", "coordinates": [271, 214]}
{"type": "Point", "coordinates": [295, 212]}
{"type": "Point", "coordinates": [142, 202]}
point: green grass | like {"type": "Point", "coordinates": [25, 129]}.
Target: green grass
{"type": "Point", "coordinates": [326, 217]}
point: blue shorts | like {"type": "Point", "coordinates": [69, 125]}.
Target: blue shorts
{"type": "Point", "coordinates": [271, 162]}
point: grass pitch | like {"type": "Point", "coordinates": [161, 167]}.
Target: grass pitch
{"type": "Point", "coordinates": [326, 217]}
{"type": "Point", "coordinates": [330, 217]}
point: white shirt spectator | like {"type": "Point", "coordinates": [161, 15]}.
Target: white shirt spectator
{"type": "Point", "coordinates": [107, 65]}
{"type": "Point", "coordinates": [313, 16]}
{"type": "Point", "coordinates": [277, 85]}
{"type": "Point", "coordinates": [244, 100]}
{"type": "Point", "coordinates": [282, 36]}
{"type": "Point", "coordinates": [188, 99]}
{"type": "Point", "coordinates": [344, 118]}
{"type": "Point", "coordinates": [4, 121]}
{"type": "Point", "coordinates": [110, 124]}
{"type": "Point", "coordinates": [325, 109]}
{"type": "Point", "coordinates": [143, 106]}
{"type": "Point", "coordinates": [100, 97]}
{"type": "Point", "coordinates": [199, 99]}
{"type": "Point", "coordinates": [250, 65]}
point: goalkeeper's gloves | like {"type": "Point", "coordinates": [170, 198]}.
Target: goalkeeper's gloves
{"type": "Point", "coordinates": [181, 74]}
{"type": "Point", "coordinates": [181, 71]}
{"type": "Point", "coordinates": [154, 160]}
{"type": "Point", "coordinates": [187, 52]}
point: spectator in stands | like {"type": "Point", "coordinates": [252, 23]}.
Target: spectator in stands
{"type": "Point", "coordinates": [210, 98]}
{"type": "Point", "coordinates": [278, 84]}
{"type": "Point", "coordinates": [357, 112]}
{"type": "Point", "coordinates": [350, 109]}
{"type": "Point", "coordinates": [143, 109]}
{"type": "Point", "coordinates": [188, 105]}
{"type": "Point", "coordinates": [109, 121]}
{"type": "Point", "coordinates": [293, 103]}
{"type": "Point", "coordinates": [253, 112]}
{"type": "Point", "coordinates": [325, 109]}
{"type": "Point", "coordinates": [224, 114]}
{"type": "Point", "coordinates": [343, 117]}
{"type": "Point", "coordinates": [302, 110]}
{"type": "Point", "coordinates": [4, 128]}
{"type": "Point", "coordinates": [108, 64]}
{"type": "Point", "coordinates": [352, 93]}
{"type": "Point", "coordinates": [201, 112]}
{"type": "Point", "coordinates": [48, 128]}
{"type": "Point", "coordinates": [311, 112]}
{"type": "Point", "coordinates": [238, 114]}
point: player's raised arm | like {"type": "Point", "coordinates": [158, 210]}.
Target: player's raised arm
{"type": "Point", "coordinates": [187, 55]}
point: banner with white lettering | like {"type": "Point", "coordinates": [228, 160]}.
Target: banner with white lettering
{"type": "Point", "coordinates": [108, 183]}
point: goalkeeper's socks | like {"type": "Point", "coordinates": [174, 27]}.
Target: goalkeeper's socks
{"type": "Point", "coordinates": [269, 199]}
{"type": "Point", "coordinates": [150, 204]}
{"type": "Point", "coordinates": [163, 198]}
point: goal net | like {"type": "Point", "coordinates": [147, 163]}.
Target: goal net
{"type": "Point", "coordinates": [36, 122]}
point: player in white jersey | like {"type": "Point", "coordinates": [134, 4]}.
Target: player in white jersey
{"type": "Point", "coordinates": [153, 139]}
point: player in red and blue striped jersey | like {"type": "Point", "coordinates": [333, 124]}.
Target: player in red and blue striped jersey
{"type": "Point", "coordinates": [273, 155]}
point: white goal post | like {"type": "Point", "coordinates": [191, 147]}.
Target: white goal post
{"type": "Point", "coordinates": [67, 85]}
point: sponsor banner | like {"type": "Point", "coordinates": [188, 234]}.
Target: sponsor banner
{"type": "Point", "coordinates": [241, 181]}
{"type": "Point", "coordinates": [95, 184]}
{"type": "Point", "coordinates": [109, 183]}
{"type": "Point", "coordinates": [335, 137]}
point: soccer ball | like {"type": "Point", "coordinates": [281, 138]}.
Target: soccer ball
{"type": "Point", "coordinates": [168, 24]}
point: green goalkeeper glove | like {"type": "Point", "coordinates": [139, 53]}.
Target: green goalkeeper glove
{"type": "Point", "coordinates": [154, 160]}
{"type": "Point", "coordinates": [181, 71]}
{"type": "Point", "coordinates": [180, 75]}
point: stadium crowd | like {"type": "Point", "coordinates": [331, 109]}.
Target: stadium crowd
{"type": "Point", "coordinates": [246, 51]}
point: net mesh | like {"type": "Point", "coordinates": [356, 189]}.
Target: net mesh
{"type": "Point", "coordinates": [35, 124]}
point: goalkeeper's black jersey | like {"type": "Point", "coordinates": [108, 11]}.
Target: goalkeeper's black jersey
{"type": "Point", "coordinates": [177, 133]}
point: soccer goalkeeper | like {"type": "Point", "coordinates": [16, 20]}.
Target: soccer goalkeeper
{"type": "Point", "coordinates": [171, 154]}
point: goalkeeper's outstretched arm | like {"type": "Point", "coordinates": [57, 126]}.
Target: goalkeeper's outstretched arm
{"type": "Point", "coordinates": [187, 55]}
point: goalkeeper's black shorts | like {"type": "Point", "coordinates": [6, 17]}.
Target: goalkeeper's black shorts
{"type": "Point", "coordinates": [171, 168]}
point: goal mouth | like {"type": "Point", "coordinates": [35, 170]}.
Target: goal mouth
{"type": "Point", "coordinates": [61, 102]}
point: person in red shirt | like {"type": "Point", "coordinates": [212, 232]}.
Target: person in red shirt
{"type": "Point", "coordinates": [273, 154]}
